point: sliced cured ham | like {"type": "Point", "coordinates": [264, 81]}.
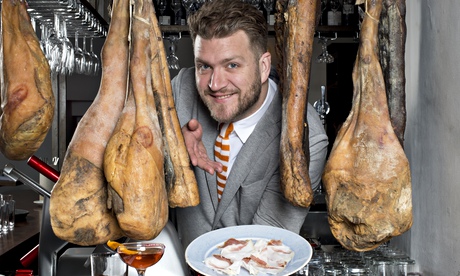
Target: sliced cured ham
{"type": "Point", "coordinates": [78, 203]}
{"type": "Point", "coordinates": [133, 161]}
{"type": "Point", "coordinates": [265, 256]}
{"type": "Point", "coordinates": [298, 34]}
{"type": "Point", "coordinates": [27, 99]}
{"type": "Point", "coordinates": [235, 250]}
{"type": "Point", "coordinates": [223, 265]}
{"type": "Point", "coordinates": [367, 177]}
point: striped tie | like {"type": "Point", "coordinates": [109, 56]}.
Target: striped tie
{"type": "Point", "coordinates": [222, 155]}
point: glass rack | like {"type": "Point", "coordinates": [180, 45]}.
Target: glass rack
{"type": "Point", "coordinates": [79, 15]}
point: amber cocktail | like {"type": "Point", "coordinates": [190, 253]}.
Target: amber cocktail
{"type": "Point", "coordinates": [141, 255]}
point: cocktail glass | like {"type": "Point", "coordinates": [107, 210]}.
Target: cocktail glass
{"type": "Point", "coordinates": [141, 255]}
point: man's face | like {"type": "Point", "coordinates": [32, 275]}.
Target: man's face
{"type": "Point", "coordinates": [231, 81]}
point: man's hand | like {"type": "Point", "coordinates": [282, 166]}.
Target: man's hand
{"type": "Point", "coordinates": [193, 134]}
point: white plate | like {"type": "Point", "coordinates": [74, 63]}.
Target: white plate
{"type": "Point", "coordinates": [206, 245]}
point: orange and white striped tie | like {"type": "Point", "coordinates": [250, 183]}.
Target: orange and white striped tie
{"type": "Point", "coordinates": [222, 155]}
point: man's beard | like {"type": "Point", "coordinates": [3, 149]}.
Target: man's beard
{"type": "Point", "coordinates": [246, 100]}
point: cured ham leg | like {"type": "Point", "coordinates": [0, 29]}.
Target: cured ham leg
{"type": "Point", "coordinates": [27, 99]}
{"type": "Point", "coordinates": [115, 161]}
{"type": "Point", "coordinates": [134, 156]}
{"type": "Point", "coordinates": [392, 44]}
{"type": "Point", "coordinates": [294, 148]}
{"type": "Point", "coordinates": [78, 204]}
{"type": "Point", "coordinates": [367, 177]}
{"type": "Point", "coordinates": [180, 178]}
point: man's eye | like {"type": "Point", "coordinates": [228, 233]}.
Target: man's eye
{"type": "Point", "coordinates": [232, 65]}
{"type": "Point", "coordinates": [202, 67]}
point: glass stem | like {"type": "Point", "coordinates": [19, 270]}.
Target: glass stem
{"type": "Point", "coordinates": [141, 272]}
{"type": "Point", "coordinates": [324, 46]}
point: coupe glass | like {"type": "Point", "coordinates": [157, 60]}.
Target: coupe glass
{"type": "Point", "coordinates": [162, 4]}
{"type": "Point", "coordinates": [141, 255]}
{"type": "Point", "coordinates": [176, 6]}
{"type": "Point", "coordinates": [325, 57]}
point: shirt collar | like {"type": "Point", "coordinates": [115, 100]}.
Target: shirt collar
{"type": "Point", "coordinates": [243, 128]}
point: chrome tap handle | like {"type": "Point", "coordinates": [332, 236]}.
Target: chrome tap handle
{"type": "Point", "coordinates": [16, 175]}
{"type": "Point", "coordinates": [322, 106]}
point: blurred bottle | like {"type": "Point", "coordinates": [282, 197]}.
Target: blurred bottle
{"type": "Point", "coordinates": [164, 17]}
{"type": "Point", "coordinates": [183, 15]}
{"type": "Point", "coordinates": [334, 13]}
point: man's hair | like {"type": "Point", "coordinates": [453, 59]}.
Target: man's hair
{"type": "Point", "coordinates": [222, 18]}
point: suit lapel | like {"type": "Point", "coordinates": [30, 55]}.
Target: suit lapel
{"type": "Point", "coordinates": [266, 130]}
{"type": "Point", "coordinates": [210, 133]}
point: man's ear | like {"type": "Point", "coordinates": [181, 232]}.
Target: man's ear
{"type": "Point", "coordinates": [265, 63]}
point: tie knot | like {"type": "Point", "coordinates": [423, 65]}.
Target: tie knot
{"type": "Point", "coordinates": [226, 130]}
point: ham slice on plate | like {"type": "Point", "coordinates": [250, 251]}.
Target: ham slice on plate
{"type": "Point", "coordinates": [223, 265]}
{"type": "Point", "coordinates": [265, 256]}
{"type": "Point", "coordinates": [236, 250]}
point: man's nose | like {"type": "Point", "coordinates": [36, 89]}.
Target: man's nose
{"type": "Point", "coordinates": [218, 80]}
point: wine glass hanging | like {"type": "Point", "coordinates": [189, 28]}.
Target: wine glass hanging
{"type": "Point", "coordinates": [60, 20]}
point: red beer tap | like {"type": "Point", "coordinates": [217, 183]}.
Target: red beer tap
{"type": "Point", "coordinates": [43, 168]}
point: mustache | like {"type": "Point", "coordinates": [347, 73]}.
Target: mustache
{"type": "Point", "coordinates": [207, 90]}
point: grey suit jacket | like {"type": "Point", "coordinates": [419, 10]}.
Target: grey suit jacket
{"type": "Point", "coordinates": [252, 193]}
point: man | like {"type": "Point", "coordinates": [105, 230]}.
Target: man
{"type": "Point", "coordinates": [230, 85]}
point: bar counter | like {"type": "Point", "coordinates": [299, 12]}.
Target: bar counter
{"type": "Point", "coordinates": [25, 236]}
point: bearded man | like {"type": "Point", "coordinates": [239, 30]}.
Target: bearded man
{"type": "Point", "coordinates": [229, 92]}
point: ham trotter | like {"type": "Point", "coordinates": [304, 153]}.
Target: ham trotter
{"type": "Point", "coordinates": [78, 204]}
{"type": "Point", "coordinates": [180, 178]}
{"type": "Point", "coordinates": [27, 99]}
{"type": "Point", "coordinates": [133, 161]}
{"type": "Point", "coordinates": [367, 176]}
{"type": "Point", "coordinates": [294, 147]}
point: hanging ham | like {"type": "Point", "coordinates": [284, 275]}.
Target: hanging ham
{"type": "Point", "coordinates": [295, 42]}
{"type": "Point", "coordinates": [78, 204]}
{"type": "Point", "coordinates": [179, 177]}
{"type": "Point", "coordinates": [27, 99]}
{"type": "Point", "coordinates": [133, 161]}
{"type": "Point", "coordinates": [367, 176]}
